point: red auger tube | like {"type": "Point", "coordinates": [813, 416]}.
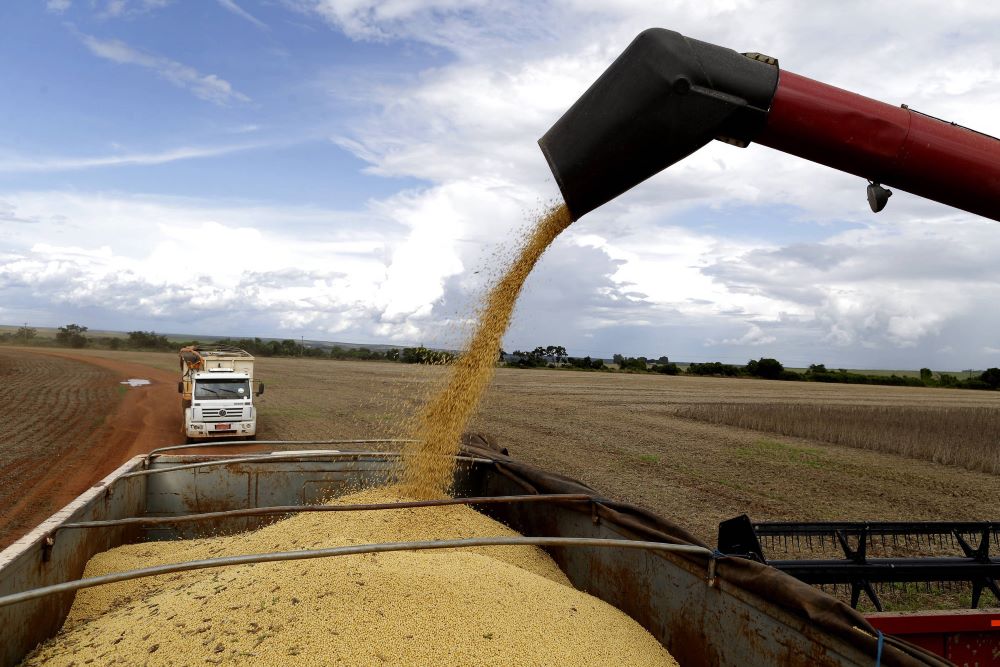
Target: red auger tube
{"type": "Point", "coordinates": [894, 146]}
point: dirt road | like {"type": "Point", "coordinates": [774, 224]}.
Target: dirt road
{"type": "Point", "coordinates": [75, 423]}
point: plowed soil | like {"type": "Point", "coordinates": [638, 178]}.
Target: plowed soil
{"type": "Point", "coordinates": [68, 422]}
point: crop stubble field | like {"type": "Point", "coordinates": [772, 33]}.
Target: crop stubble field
{"type": "Point", "coordinates": [66, 422]}
{"type": "Point", "coordinates": [623, 435]}
{"type": "Point", "coordinates": [49, 406]}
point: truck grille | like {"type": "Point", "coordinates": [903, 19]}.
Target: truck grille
{"type": "Point", "coordinates": [222, 414]}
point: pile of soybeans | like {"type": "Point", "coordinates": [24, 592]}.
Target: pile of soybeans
{"type": "Point", "coordinates": [480, 606]}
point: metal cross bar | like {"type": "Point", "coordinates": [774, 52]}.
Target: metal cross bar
{"type": "Point", "coordinates": [884, 570]}
{"type": "Point", "coordinates": [78, 584]}
{"type": "Point", "coordinates": [981, 573]}
{"type": "Point", "coordinates": [275, 456]}
{"type": "Point", "coordinates": [903, 528]}
{"type": "Point", "coordinates": [253, 443]}
{"type": "Point", "coordinates": [294, 509]}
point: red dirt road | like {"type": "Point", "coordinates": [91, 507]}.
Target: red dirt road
{"type": "Point", "coordinates": [56, 470]}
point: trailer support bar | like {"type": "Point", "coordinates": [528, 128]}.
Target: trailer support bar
{"type": "Point", "coordinates": [278, 556]}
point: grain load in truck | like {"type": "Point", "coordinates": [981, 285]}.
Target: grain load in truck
{"type": "Point", "coordinates": [217, 389]}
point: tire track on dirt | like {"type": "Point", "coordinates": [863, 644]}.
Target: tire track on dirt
{"type": "Point", "coordinates": [88, 433]}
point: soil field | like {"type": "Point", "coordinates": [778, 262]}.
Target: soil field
{"type": "Point", "coordinates": [622, 435]}
{"type": "Point", "coordinates": [67, 423]}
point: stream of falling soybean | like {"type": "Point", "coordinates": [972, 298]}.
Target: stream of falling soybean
{"type": "Point", "coordinates": [429, 461]}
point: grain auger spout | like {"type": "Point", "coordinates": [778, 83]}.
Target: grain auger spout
{"type": "Point", "coordinates": [668, 95]}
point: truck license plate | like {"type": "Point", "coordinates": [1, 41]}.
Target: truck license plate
{"type": "Point", "coordinates": [223, 427]}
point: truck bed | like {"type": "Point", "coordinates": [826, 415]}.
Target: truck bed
{"type": "Point", "coordinates": [705, 610]}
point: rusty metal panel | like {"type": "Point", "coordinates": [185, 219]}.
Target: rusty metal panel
{"type": "Point", "coordinates": [701, 625]}
{"type": "Point", "coordinates": [31, 562]}
{"type": "Point", "coordinates": [248, 485]}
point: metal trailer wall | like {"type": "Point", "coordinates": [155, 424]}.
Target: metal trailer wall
{"type": "Point", "coordinates": [702, 619]}
{"type": "Point", "coordinates": [32, 562]}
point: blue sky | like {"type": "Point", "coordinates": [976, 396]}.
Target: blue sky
{"type": "Point", "coordinates": [359, 171]}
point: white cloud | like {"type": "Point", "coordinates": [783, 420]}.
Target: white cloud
{"type": "Point", "coordinates": [754, 336]}
{"type": "Point", "coordinates": [231, 6]}
{"type": "Point", "coordinates": [467, 27]}
{"type": "Point", "coordinates": [127, 8]}
{"type": "Point", "coordinates": [58, 6]}
{"type": "Point", "coordinates": [45, 164]}
{"type": "Point", "coordinates": [246, 128]}
{"type": "Point", "coordinates": [283, 268]}
{"type": "Point", "coordinates": [208, 87]}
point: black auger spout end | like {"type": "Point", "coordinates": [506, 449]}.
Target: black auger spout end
{"type": "Point", "coordinates": [665, 97]}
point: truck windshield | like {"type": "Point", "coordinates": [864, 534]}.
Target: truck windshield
{"type": "Point", "coordinates": [224, 389]}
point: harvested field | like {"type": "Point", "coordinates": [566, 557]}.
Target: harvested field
{"type": "Point", "coordinates": [56, 437]}
{"type": "Point", "coordinates": [964, 436]}
{"type": "Point", "coordinates": [623, 434]}
{"type": "Point", "coordinates": [51, 407]}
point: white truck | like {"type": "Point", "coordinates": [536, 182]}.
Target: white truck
{"type": "Point", "coordinates": [217, 389]}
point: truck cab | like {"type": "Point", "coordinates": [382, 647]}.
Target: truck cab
{"type": "Point", "coordinates": [218, 389]}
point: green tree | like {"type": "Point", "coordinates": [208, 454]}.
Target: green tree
{"type": "Point", "coordinates": [532, 359]}
{"type": "Point", "coordinates": [423, 355]}
{"type": "Point", "coordinates": [765, 367]}
{"type": "Point", "coordinates": [714, 368]}
{"type": "Point", "coordinates": [926, 375]}
{"type": "Point", "coordinates": [72, 335]}
{"type": "Point", "coordinates": [632, 363]}
{"type": "Point", "coordinates": [991, 376]}
{"type": "Point", "coordinates": [148, 340]}
{"type": "Point", "coordinates": [25, 333]}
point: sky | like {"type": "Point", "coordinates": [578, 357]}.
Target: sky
{"type": "Point", "coordinates": [360, 171]}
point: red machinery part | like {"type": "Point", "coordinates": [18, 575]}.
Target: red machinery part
{"type": "Point", "coordinates": [894, 146]}
{"type": "Point", "coordinates": [964, 637]}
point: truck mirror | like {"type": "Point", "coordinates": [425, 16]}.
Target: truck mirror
{"type": "Point", "coordinates": [260, 389]}
{"type": "Point", "coordinates": [180, 387]}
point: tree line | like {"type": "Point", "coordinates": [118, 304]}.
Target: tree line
{"type": "Point", "coordinates": [766, 368]}
{"type": "Point", "coordinates": [76, 336]}
{"type": "Point", "coordinates": [772, 369]}
{"type": "Point", "coordinates": [549, 356]}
